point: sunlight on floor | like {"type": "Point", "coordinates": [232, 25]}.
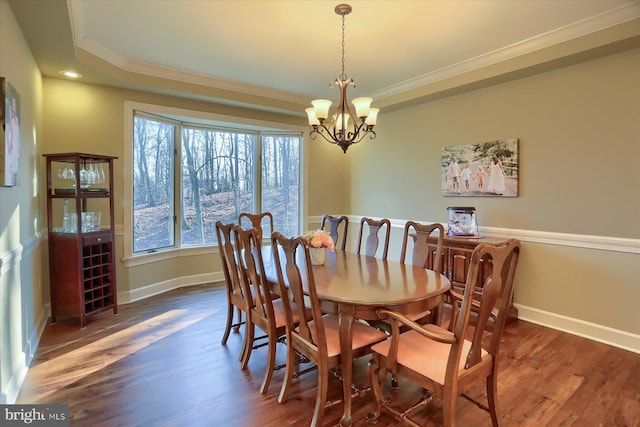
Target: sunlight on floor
{"type": "Point", "coordinates": [88, 359]}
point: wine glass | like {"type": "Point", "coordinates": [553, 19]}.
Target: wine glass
{"type": "Point", "coordinates": [66, 173]}
{"type": "Point", "coordinates": [100, 174]}
{"type": "Point", "coordinates": [92, 177]}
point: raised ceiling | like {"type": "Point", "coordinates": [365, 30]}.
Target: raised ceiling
{"type": "Point", "coordinates": [280, 54]}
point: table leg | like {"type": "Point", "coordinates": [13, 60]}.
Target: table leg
{"type": "Point", "coordinates": [436, 314]}
{"type": "Point", "coordinates": [346, 315]}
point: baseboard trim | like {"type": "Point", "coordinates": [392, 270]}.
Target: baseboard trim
{"type": "Point", "coordinates": [13, 386]}
{"type": "Point", "coordinates": [126, 297]}
{"type": "Point", "coordinates": [592, 331]}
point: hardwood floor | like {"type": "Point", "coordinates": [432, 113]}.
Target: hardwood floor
{"type": "Point", "coordinates": [159, 362]}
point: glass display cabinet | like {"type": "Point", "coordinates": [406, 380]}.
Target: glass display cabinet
{"type": "Point", "coordinates": [80, 226]}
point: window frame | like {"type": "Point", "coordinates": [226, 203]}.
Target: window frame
{"type": "Point", "coordinates": [191, 118]}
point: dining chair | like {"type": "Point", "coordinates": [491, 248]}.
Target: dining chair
{"type": "Point", "coordinates": [334, 228]}
{"type": "Point", "coordinates": [448, 362]}
{"type": "Point", "coordinates": [237, 298]}
{"type": "Point", "coordinates": [372, 239]}
{"type": "Point", "coordinates": [257, 221]}
{"type": "Point", "coordinates": [428, 240]}
{"type": "Point", "coordinates": [316, 339]}
{"type": "Point", "coordinates": [427, 252]}
{"type": "Point", "coordinates": [264, 312]}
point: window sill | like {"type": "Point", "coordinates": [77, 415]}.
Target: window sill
{"type": "Point", "coordinates": [167, 254]}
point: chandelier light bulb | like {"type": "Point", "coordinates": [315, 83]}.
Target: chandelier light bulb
{"type": "Point", "coordinates": [342, 120]}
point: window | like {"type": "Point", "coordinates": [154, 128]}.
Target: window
{"type": "Point", "coordinates": [186, 176]}
{"type": "Point", "coordinates": [153, 195]}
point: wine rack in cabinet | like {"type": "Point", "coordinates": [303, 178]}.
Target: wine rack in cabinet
{"type": "Point", "coordinates": [80, 206]}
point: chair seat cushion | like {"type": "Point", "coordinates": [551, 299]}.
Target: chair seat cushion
{"type": "Point", "coordinates": [363, 335]}
{"type": "Point", "coordinates": [279, 312]}
{"type": "Point", "coordinates": [423, 355]}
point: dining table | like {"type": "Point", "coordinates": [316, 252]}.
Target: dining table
{"type": "Point", "coordinates": [354, 286]}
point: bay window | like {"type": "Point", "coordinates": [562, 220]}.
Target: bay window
{"type": "Point", "coordinates": [186, 175]}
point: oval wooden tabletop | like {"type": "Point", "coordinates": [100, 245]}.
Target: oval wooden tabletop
{"type": "Point", "coordinates": [350, 278]}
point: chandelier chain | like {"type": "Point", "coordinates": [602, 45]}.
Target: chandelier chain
{"type": "Point", "coordinates": [343, 76]}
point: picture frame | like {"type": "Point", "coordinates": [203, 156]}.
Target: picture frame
{"type": "Point", "coordinates": [9, 134]}
{"type": "Point", "coordinates": [486, 169]}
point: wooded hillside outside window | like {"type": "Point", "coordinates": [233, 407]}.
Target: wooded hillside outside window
{"type": "Point", "coordinates": [192, 176]}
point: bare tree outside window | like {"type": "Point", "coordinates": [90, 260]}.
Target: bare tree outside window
{"type": "Point", "coordinates": [153, 157]}
{"type": "Point", "coordinates": [281, 182]}
{"type": "Point", "coordinates": [218, 181]}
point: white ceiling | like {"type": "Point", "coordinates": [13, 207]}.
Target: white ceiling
{"type": "Point", "coordinates": [290, 50]}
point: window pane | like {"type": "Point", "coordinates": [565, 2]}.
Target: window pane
{"type": "Point", "coordinates": [153, 166]}
{"type": "Point", "coordinates": [280, 182]}
{"type": "Point", "coordinates": [217, 181]}
{"type": "Point", "coordinates": [214, 175]}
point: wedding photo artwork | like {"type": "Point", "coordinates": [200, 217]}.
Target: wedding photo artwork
{"type": "Point", "coordinates": [9, 134]}
{"type": "Point", "coordinates": [484, 169]}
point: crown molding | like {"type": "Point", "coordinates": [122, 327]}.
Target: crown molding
{"type": "Point", "coordinates": [582, 28]}
{"type": "Point", "coordinates": [92, 47]}
{"type": "Point", "coordinates": [123, 63]}
{"type": "Point", "coordinates": [565, 34]}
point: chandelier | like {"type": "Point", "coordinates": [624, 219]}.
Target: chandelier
{"type": "Point", "coordinates": [343, 127]}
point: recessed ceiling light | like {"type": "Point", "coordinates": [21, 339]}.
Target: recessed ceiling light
{"type": "Point", "coordinates": [71, 74]}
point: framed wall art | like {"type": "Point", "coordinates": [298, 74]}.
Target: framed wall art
{"type": "Point", "coordinates": [485, 169]}
{"type": "Point", "coordinates": [9, 134]}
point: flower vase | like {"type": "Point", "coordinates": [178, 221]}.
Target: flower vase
{"type": "Point", "coordinates": [318, 255]}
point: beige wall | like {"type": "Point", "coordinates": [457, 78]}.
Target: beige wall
{"type": "Point", "coordinates": [21, 283]}
{"type": "Point", "coordinates": [578, 212]}
{"type": "Point", "coordinates": [579, 132]}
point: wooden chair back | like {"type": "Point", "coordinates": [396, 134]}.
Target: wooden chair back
{"type": "Point", "coordinates": [236, 293]}
{"type": "Point", "coordinates": [493, 302]}
{"type": "Point", "coordinates": [427, 245]}
{"type": "Point", "coordinates": [249, 254]}
{"type": "Point", "coordinates": [373, 239]}
{"type": "Point", "coordinates": [335, 224]}
{"type": "Point", "coordinates": [266, 312]}
{"type": "Point", "coordinates": [257, 221]}
{"type": "Point", "coordinates": [455, 360]}
{"type": "Point", "coordinates": [297, 288]}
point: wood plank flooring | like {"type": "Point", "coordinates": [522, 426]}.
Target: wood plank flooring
{"type": "Point", "coordinates": [159, 362]}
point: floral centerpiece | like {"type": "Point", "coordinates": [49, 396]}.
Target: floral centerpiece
{"type": "Point", "coordinates": [319, 239]}
{"type": "Point", "coordinates": [319, 242]}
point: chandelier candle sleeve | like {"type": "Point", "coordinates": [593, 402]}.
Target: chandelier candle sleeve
{"type": "Point", "coordinates": [321, 108]}
{"type": "Point", "coordinates": [343, 128]}
{"type": "Point", "coordinates": [363, 106]}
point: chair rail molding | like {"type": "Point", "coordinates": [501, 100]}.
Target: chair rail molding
{"type": "Point", "coordinates": [585, 241]}
{"type": "Point", "coordinates": [601, 333]}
